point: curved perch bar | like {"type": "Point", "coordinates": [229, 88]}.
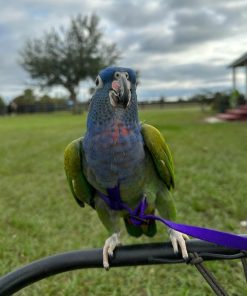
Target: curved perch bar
{"type": "Point", "coordinates": [132, 255]}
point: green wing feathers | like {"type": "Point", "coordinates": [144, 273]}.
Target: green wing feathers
{"type": "Point", "coordinates": [160, 152]}
{"type": "Point", "coordinates": [79, 186]}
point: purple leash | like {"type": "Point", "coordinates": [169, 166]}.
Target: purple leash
{"type": "Point", "coordinates": [221, 238]}
{"type": "Point", "coordinates": [138, 217]}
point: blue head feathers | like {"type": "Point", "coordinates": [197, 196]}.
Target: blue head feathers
{"type": "Point", "coordinates": [114, 98]}
{"type": "Point", "coordinates": [107, 74]}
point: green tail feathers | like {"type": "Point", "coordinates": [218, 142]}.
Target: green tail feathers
{"type": "Point", "coordinates": [137, 230]}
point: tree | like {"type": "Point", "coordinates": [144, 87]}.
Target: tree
{"type": "Point", "coordinates": [27, 98]}
{"type": "Point", "coordinates": [2, 106]}
{"type": "Point", "coordinates": [162, 100]}
{"type": "Point", "coordinates": [66, 57]}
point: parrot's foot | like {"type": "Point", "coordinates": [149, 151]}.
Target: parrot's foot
{"type": "Point", "coordinates": [178, 239]}
{"type": "Point", "coordinates": [110, 245]}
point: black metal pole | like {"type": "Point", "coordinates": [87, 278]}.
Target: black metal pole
{"type": "Point", "coordinates": [145, 254]}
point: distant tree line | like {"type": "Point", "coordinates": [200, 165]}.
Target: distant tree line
{"type": "Point", "coordinates": [28, 102]}
{"type": "Point", "coordinates": [218, 101]}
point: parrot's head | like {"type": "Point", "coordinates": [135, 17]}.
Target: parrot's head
{"type": "Point", "coordinates": [114, 98]}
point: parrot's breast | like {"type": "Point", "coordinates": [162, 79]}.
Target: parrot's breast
{"type": "Point", "coordinates": [114, 155]}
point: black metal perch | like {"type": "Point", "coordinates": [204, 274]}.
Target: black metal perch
{"type": "Point", "coordinates": [132, 255]}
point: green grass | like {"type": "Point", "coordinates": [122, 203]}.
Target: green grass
{"type": "Point", "coordinates": [39, 217]}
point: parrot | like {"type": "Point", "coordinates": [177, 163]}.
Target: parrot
{"type": "Point", "coordinates": [122, 166]}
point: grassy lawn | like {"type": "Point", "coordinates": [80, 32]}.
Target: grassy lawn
{"type": "Point", "coordinates": [38, 215]}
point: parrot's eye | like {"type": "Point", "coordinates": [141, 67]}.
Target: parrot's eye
{"type": "Point", "coordinates": [117, 75]}
{"type": "Point", "coordinates": [127, 75]}
{"type": "Point", "coordinates": [98, 82]}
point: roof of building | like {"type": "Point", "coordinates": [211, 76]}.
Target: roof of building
{"type": "Point", "coordinates": [240, 62]}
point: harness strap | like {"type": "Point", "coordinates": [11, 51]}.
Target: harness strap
{"type": "Point", "coordinates": [138, 217]}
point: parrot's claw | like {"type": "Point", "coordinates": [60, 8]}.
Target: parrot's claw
{"type": "Point", "coordinates": [178, 239]}
{"type": "Point", "coordinates": [110, 245]}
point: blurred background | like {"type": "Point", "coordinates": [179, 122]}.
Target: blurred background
{"type": "Point", "coordinates": [191, 62]}
{"type": "Point", "coordinates": [180, 49]}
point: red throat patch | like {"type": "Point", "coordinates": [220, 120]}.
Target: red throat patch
{"type": "Point", "coordinates": [119, 129]}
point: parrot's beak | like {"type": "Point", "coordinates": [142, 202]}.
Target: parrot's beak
{"type": "Point", "coordinates": [120, 93]}
{"type": "Point", "coordinates": [124, 94]}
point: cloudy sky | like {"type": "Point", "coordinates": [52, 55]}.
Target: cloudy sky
{"type": "Point", "coordinates": [181, 47]}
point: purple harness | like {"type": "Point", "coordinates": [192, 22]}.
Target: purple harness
{"type": "Point", "coordinates": [114, 201]}
{"type": "Point", "coordinates": [138, 217]}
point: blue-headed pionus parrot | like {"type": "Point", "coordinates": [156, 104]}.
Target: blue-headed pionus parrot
{"type": "Point", "coordinates": [121, 167]}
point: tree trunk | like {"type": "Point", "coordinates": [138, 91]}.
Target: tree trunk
{"type": "Point", "coordinates": [73, 97]}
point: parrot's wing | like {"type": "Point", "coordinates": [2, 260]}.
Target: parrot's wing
{"type": "Point", "coordinates": [79, 186]}
{"type": "Point", "coordinates": [160, 152]}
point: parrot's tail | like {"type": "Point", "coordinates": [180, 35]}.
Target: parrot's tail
{"type": "Point", "coordinates": [149, 229]}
